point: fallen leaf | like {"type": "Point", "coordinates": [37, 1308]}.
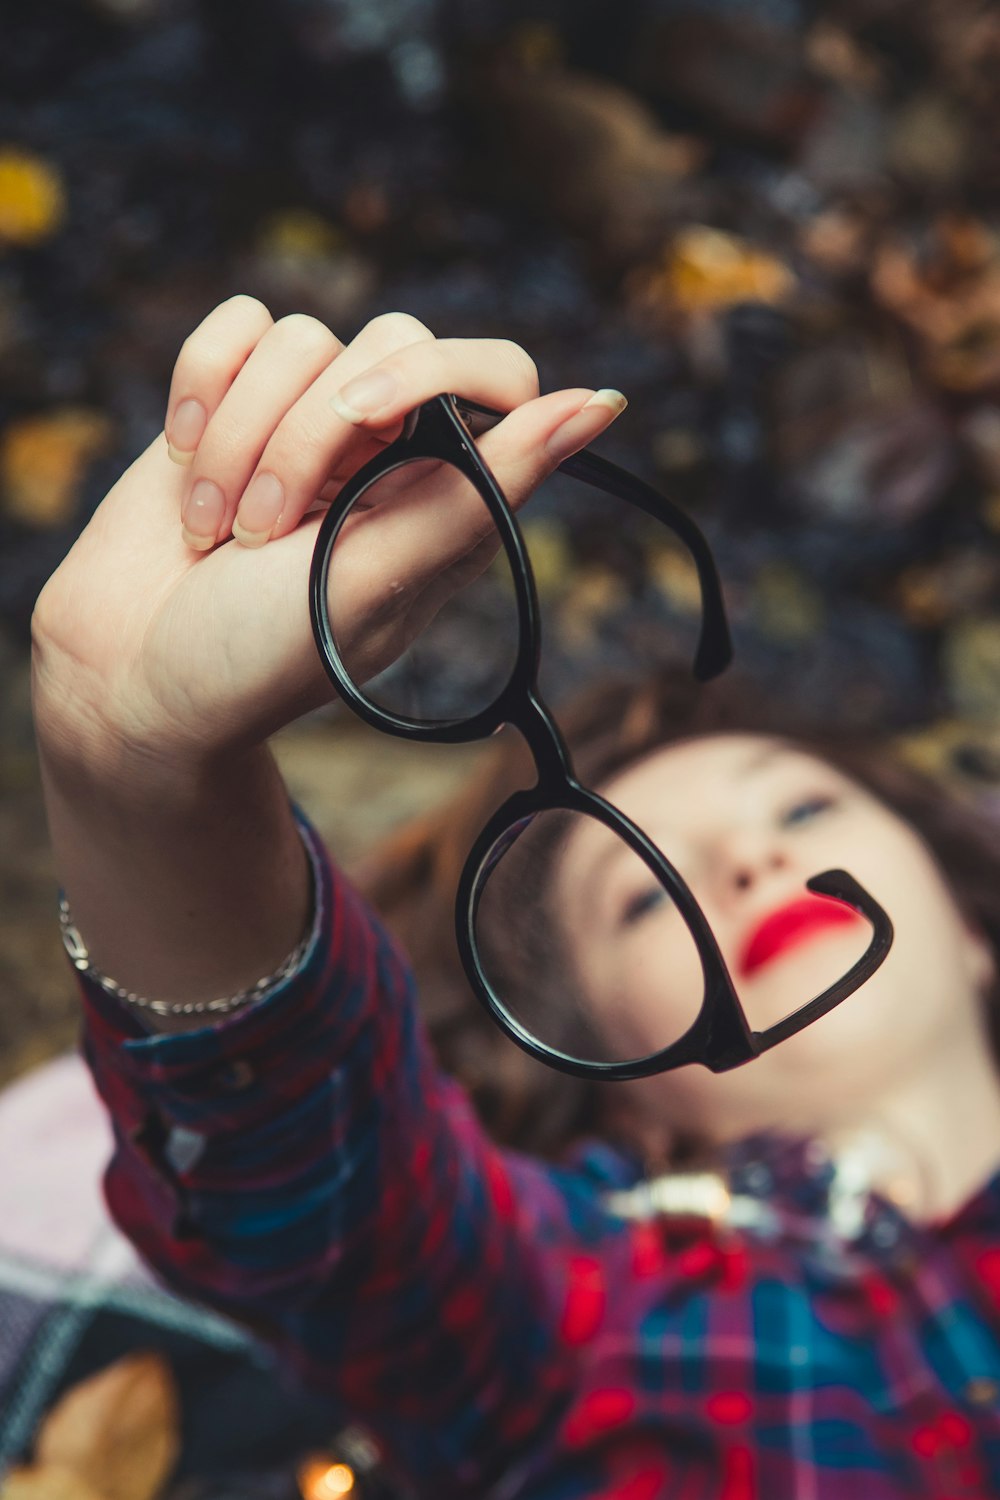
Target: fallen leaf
{"type": "Point", "coordinates": [43, 459]}
{"type": "Point", "coordinates": [971, 660]}
{"type": "Point", "coordinates": [32, 201]}
{"type": "Point", "coordinates": [708, 269]}
{"type": "Point", "coordinates": [298, 234]}
{"type": "Point", "coordinates": [585, 152]}
{"type": "Point", "coordinates": [550, 556]}
{"type": "Point", "coordinates": [46, 1482]}
{"type": "Point", "coordinates": [119, 1430]}
{"type": "Point", "coordinates": [784, 606]}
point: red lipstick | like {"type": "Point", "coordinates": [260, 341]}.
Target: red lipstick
{"type": "Point", "coordinates": [790, 924]}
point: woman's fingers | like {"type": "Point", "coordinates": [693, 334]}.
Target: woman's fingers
{"type": "Point", "coordinates": [310, 443]}
{"type": "Point", "coordinates": [287, 408]}
{"type": "Point", "coordinates": [313, 441]}
{"type": "Point", "coordinates": [254, 458]}
{"type": "Point", "coordinates": [209, 360]}
{"type": "Point", "coordinates": [435, 520]}
{"type": "Point", "coordinates": [529, 443]}
{"type": "Point", "coordinates": [430, 532]}
{"type": "Point", "coordinates": [283, 364]}
{"type": "Point", "coordinates": [494, 371]}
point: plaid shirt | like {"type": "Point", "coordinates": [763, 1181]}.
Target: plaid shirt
{"type": "Point", "coordinates": [494, 1320]}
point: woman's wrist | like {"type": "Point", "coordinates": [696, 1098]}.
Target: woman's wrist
{"type": "Point", "coordinates": [88, 751]}
{"type": "Point", "coordinates": [187, 884]}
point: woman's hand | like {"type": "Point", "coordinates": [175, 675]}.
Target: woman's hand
{"type": "Point", "coordinates": [178, 624]}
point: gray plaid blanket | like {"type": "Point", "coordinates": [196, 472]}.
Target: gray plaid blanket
{"type": "Point", "coordinates": [74, 1298]}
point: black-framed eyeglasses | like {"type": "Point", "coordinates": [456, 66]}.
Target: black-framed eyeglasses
{"type": "Point", "coordinates": [531, 861]}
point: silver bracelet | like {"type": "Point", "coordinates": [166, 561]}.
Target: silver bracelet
{"type": "Point", "coordinates": [77, 950]}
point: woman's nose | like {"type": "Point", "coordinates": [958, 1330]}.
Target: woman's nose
{"type": "Point", "coordinates": [747, 870]}
{"type": "Point", "coordinates": [744, 859]}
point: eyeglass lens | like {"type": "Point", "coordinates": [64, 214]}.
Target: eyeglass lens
{"type": "Point", "coordinates": [560, 881]}
{"type": "Point", "coordinates": [616, 593]}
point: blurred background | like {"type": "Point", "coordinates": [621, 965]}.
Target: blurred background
{"type": "Point", "coordinates": [775, 226]}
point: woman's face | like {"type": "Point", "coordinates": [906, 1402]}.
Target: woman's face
{"type": "Point", "coordinates": [747, 819]}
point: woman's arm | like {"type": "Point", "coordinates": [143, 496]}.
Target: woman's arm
{"type": "Point", "coordinates": [301, 1164]}
{"type": "Point", "coordinates": [175, 638]}
{"type": "Point", "coordinates": [306, 1169]}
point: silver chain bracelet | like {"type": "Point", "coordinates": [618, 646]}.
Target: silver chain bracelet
{"type": "Point", "coordinates": [77, 950]}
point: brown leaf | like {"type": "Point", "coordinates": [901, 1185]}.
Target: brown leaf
{"type": "Point", "coordinates": [119, 1431]}
{"type": "Point", "coordinates": [586, 152]}
{"type": "Point", "coordinates": [46, 1482]}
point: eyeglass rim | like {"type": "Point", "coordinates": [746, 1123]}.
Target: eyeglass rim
{"type": "Point", "coordinates": [720, 1036]}
{"type": "Point", "coordinates": [488, 719]}
{"type": "Point", "coordinates": [518, 704]}
{"type": "Point", "coordinates": [714, 649]}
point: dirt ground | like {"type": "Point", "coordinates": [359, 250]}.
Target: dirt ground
{"type": "Point", "coordinates": [354, 783]}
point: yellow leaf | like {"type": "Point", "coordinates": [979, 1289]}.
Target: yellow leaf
{"type": "Point", "coordinates": [549, 553]}
{"type": "Point", "coordinates": [119, 1431]}
{"type": "Point", "coordinates": [708, 269]}
{"type": "Point", "coordinates": [596, 593]}
{"type": "Point", "coordinates": [43, 459]}
{"type": "Point", "coordinates": [46, 1482]}
{"type": "Point", "coordinates": [298, 234]}
{"type": "Point", "coordinates": [32, 200]}
{"type": "Point", "coordinates": [784, 605]}
{"type": "Point", "coordinates": [677, 578]}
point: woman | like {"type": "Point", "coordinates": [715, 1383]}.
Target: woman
{"type": "Point", "coordinates": [292, 1154]}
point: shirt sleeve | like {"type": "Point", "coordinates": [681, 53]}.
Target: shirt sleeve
{"type": "Point", "coordinates": [305, 1167]}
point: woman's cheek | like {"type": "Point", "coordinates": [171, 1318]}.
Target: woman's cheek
{"type": "Point", "coordinates": [665, 982]}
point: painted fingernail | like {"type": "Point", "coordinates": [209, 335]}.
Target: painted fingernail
{"type": "Point", "coordinates": [186, 431]}
{"type": "Point", "coordinates": [365, 395]}
{"type": "Point", "coordinates": [260, 510]}
{"type": "Point", "coordinates": [202, 515]}
{"type": "Point", "coordinates": [594, 416]}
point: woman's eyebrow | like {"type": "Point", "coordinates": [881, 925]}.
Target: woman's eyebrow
{"type": "Point", "coordinates": [761, 757]}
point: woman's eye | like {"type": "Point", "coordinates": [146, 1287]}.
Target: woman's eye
{"type": "Point", "coordinates": [643, 902]}
{"type": "Point", "coordinates": [805, 809]}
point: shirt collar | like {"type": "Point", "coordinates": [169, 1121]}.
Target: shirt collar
{"type": "Point", "coordinates": [774, 1185]}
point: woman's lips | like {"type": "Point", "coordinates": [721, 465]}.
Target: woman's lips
{"type": "Point", "coordinates": [791, 923]}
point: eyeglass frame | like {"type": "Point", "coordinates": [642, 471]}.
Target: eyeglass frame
{"type": "Point", "coordinates": [444, 427]}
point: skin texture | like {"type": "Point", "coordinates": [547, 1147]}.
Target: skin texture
{"type": "Point", "coordinates": [747, 819]}
{"type": "Point", "coordinates": [170, 825]}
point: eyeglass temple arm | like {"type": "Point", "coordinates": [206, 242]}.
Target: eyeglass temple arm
{"type": "Point", "coordinates": [715, 650]}
{"type": "Point", "coordinates": [843, 887]}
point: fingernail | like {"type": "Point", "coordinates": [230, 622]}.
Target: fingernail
{"type": "Point", "coordinates": [202, 515]}
{"type": "Point", "coordinates": [259, 510]}
{"type": "Point", "coordinates": [365, 395]}
{"type": "Point", "coordinates": [597, 413]}
{"type": "Point", "coordinates": [186, 431]}
{"type": "Point", "coordinates": [613, 400]}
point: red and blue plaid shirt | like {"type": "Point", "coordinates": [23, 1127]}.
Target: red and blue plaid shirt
{"type": "Point", "coordinates": [493, 1320]}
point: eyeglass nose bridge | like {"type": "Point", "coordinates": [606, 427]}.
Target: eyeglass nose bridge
{"type": "Point", "coordinates": [743, 870]}
{"type": "Point", "coordinates": [525, 711]}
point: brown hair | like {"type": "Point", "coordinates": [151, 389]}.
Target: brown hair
{"type": "Point", "coordinates": [413, 875]}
